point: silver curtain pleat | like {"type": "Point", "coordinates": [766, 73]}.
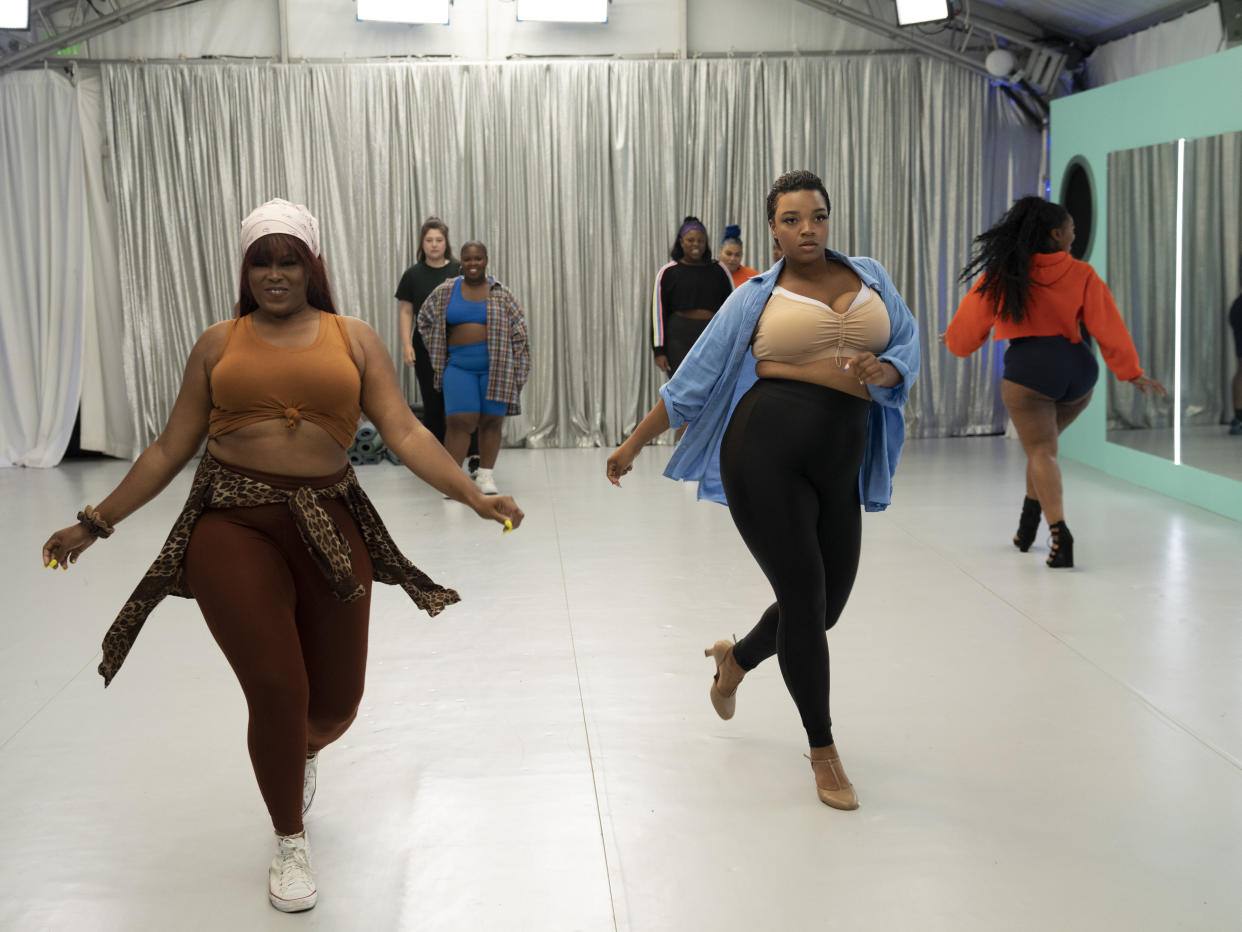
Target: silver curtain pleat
{"type": "Point", "coordinates": [1142, 260]}
{"type": "Point", "coordinates": [1211, 277]}
{"type": "Point", "coordinates": [576, 174]}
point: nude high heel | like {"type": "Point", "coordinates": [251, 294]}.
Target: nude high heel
{"type": "Point", "coordinates": [728, 675]}
{"type": "Point", "coordinates": [831, 784]}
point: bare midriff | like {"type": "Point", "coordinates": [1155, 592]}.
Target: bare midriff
{"type": "Point", "coordinates": [696, 314]}
{"type": "Point", "coordinates": [461, 334]}
{"type": "Point", "coordinates": [826, 372]}
{"type": "Point", "coordinates": [270, 446]}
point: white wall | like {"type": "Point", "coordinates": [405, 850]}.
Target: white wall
{"type": "Point", "coordinates": [1184, 39]}
{"type": "Point", "coordinates": [484, 29]}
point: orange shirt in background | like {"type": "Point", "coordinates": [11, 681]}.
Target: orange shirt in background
{"type": "Point", "coordinates": [742, 274]}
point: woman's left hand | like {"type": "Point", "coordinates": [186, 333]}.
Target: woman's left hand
{"type": "Point", "coordinates": [1145, 385]}
{"type": "Point", "coordinates": [866, 368]}
{"type": "Point", "coordinates": [499, 508]}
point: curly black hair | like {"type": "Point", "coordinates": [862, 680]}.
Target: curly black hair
{"type": "Point", "coordinates": [797, 180]}
{"type": "Point", "coordinates": [1004, 253]}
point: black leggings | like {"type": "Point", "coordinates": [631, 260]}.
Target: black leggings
{"type": "Point", "coordinates": [790, 463]}
{"type": "Point", "coordinates": [680, 334]}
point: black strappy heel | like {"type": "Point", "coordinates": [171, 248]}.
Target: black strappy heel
{"type": "Point", "coordinates": [1028, 524]}
{"type": "Point", "coordinates": [1062, 552]}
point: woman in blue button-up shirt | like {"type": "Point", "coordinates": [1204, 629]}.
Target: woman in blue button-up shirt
{"type": "Point", "coordinates": [794, 398]}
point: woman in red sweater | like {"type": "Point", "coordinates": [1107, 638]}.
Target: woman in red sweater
{"type": "Point", "coordinates": [1034, 294]}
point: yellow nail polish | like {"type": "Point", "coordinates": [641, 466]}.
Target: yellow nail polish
{"type": "Point", "coordinates": [52, 565]}
{"type": "Point", "coordinates": [508, 526]}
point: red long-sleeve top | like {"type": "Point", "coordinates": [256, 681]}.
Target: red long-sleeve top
{"type": "Point", "coordinates": [1064, 293]}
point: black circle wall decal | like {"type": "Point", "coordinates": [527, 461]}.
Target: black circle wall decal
{"type": "Point", "coordinates": [1078, 197]}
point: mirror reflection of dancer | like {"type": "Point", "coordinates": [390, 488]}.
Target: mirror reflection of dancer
{"type": "Point", "coordinates": [1235, 322]}
{"type": "Point", "coordinates": [476, 337]}
{"type": "Point", "coordinates": [688, 291]}
{"type": "Point", "coordinates": [804, 371]}
{"type": "Point", "coordinates": [277, 541]}
{"type": "Point", "coordinates": [1034, 294]}
{"type": "Point", "coordinates": [731, 255]}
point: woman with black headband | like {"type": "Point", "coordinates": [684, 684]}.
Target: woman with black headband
{"type": "Point", "coordinates": [688, 291]}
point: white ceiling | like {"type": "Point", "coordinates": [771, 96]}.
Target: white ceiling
{"type": "Point", "coordinates": [1098, 21]}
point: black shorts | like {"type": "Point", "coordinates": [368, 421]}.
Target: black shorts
{"type": "Point", "coordinates": [1052, 366]}
{"type": "Point", "coordinates": [1235, 321]}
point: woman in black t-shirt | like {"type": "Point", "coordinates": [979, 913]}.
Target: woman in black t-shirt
{"type": "Point", "coordinates": [688, 291]}
{"type": "Point", "coordinates": [435, 265]}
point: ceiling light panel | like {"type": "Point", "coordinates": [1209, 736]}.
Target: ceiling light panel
{"type": "Point", "coordinates": [563, 11]}
{"type": "Point", "coordinates": [910, 12]}
{"type": "Point", "coordinates": [404, 11]}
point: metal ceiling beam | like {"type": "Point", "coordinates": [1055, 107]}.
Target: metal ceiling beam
{"type": "Point", "coordinates": [50, 46]}
{"type": "Point", "coordinates": [897, 34]}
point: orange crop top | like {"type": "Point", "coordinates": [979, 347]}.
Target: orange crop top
{"type": "Point", "coordinates": [257, 381]}
{"type": "Point", "coordinates": [1064, 293]}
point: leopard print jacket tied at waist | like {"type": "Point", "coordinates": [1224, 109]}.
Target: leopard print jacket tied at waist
{"type": "Point", "coordinates": [217, 486]}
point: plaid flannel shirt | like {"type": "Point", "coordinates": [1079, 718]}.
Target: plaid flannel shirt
{"type": "Point", "coordinates": [508, 349]}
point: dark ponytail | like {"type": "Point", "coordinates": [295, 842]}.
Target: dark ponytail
{"type": "Point", "coordinates": [1004, 254]}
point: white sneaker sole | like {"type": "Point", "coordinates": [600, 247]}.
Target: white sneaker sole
{"type": "Point", "coordinates": [301, 904]}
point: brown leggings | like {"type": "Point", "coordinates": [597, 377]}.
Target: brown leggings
{"type": "Point", "coordinates": [299, 652]}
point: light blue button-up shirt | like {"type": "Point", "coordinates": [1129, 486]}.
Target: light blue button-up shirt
{"type": "Point", "coordinates": [720, 369]}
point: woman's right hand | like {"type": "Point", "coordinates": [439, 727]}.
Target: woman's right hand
{"type": "Point", "coordinates": [66, 545]}
{"type": "Point", "coordinates": [499, 508]}
{"type": "Point", "coordinates": [661, 362]}
{"type": "Point", "coordinates": [1145, 385]}
{"type": "Point", "coordinates": [620, 463]}
{"type": "Point", "coordinates": [409, 354]}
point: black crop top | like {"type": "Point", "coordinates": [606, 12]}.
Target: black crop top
{"type": "Point", "coordinates": [681, 287]}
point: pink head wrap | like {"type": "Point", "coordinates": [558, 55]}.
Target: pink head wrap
{"type": "Point", "coordinates": [277, 216]}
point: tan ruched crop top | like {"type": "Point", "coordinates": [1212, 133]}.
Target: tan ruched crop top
{"type": "Point", "coordinates": [799, 330]}
{"type": "Point", "coordinates": [257, 381]}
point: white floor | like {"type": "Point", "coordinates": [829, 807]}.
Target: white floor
{"type": "Point", "coordinates": [1212, 449]}
{"type": "Point", "coordinates": [1033, 749]}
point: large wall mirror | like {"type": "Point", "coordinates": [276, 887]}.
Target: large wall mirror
{"type": "Point", "coordinates": [1175, 268]}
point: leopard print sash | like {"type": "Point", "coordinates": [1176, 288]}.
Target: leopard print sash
{"type": "Point", "coordinates": [217, 486]}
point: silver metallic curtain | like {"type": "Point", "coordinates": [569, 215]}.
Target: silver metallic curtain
{"type": "Point", "coordinates": [42, 267]}
{"type": "Point", "coordinates": [576, 175]}
{"type": "Point", "coordinates": [1211, 277]}
{"type": "Point", "coordinates": [1142, 256]}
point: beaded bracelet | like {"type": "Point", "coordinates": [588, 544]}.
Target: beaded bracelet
{"type": "Point", "coordinates": [93, 521]}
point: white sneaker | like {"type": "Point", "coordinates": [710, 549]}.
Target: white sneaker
{"type": "Point", "coordinates": [486, 482]}
{"type": "Point", "coordinates": [290, 881]}
{"type": "Point", "coordinates": [309, 782]}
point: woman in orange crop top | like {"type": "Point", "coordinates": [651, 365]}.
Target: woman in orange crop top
{"type": "Point", "coordinates": [731, 256]}
{"type": "Point", "coordinates": [277, 542]}
{"type": "Point", "coordinates": [1036, 295]}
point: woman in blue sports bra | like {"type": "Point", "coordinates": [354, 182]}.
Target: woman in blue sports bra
{"type": "Point", "coordinates": [475, 333]}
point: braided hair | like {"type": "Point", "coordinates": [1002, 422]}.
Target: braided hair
{"type": "Point", "coordinates": [1004, 253]}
